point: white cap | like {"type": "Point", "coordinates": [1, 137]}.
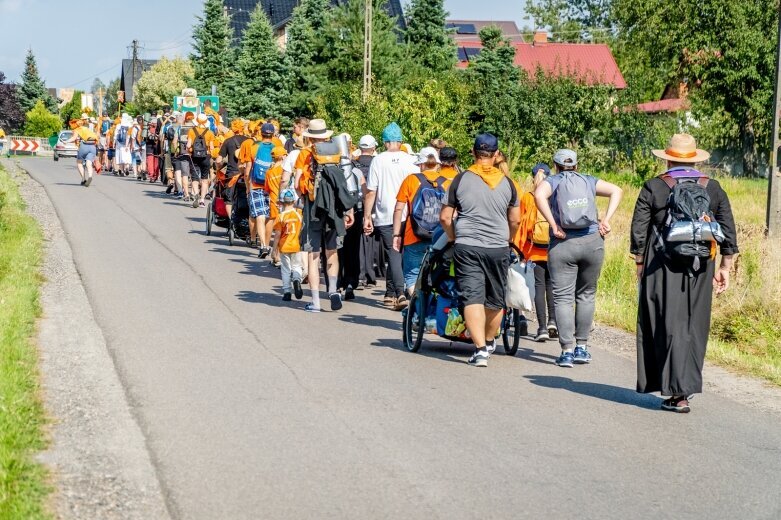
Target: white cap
{"type": "Point", "coordinates": [565, 157]}
{"type": "Point", "coordinates": [425, 153]}
{"type": "Point", "coordinates": [367, 141]}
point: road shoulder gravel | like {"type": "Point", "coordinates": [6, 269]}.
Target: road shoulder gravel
{"type": "Point", "coordinates": [100, 464]}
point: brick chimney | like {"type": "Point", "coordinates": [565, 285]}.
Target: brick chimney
{"type": "Point", "coordinates": [540, 37]}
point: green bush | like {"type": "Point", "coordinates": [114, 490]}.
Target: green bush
{"type": "Point", "coordinates": [40, 122]}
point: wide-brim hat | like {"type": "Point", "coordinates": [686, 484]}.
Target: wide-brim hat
{"type": "Point", "coordinates": [318, 130]}
{"type": "Point", "coordinates": [682, 148]}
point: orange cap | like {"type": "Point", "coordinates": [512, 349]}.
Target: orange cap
{"type": "Point", "coordinates": [278, 152]}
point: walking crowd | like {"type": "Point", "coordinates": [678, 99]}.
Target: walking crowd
{"type": "Point", "coordinates": [315, 201]}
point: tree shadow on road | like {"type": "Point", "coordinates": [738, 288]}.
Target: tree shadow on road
{"type": "Point", "coordinates": [371, 322]}
{"type": "Point", "coordinates": [442, 350]}
{"type": "Point", "coordinates": [615, 394]}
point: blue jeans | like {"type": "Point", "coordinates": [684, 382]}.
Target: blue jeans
{"type": "Point", "coordinates": [412, 257]}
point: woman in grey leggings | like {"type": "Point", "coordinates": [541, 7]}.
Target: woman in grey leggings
{"type": "Point", "coordinates": [576, 251]}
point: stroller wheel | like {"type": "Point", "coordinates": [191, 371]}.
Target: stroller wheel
{"type": "Point", "coordinates": [514, 327]}
{"type": "Point", "coordinates": [209, 219]}
{"type": "Point", "coordinates": [414, 323]}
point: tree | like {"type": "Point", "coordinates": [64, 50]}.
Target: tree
{"type": "Point", "coordinates": [429, 43]}
{"type": "Point", "coordinates": [33, 88]}
{"type": "Point", "coordinates": [258, 87]}
{"type": "Point", "coordinates": [158, 85]}
{"type": "Point", "coordinates": [308, 20]}
{"type": "Point", "coordinates": [339, 46]}
{"type": "Point", "coordinates": [11, 114]}
{"type": "Point", "coordinates": [71, 109]}
{"type": "Point", "coordinates": [212, 56]}
{"type": "Point", "coordinates": [41, 122]}
{"type": "Point", "coordinates": [112, 105]}
{"type": "Point", "coordinates": [572, 20]}
{"type": "Point", "coordinates": [724, 54]}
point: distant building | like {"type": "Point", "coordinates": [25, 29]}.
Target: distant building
{"type": "Point", "coordinates": [469, 30]}
{"type": "Point", "coordinates": [280, 12]}
{"type": "Point", "coordinates": [65, 95]}
{"type": "Point", "coordinates": [131, 74]}
{"type": "Point", "coordinates": [591, 63]}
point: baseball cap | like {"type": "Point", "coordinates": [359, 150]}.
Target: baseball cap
{"type": "Point", "coordinates": [367, 141]}
{"type": "Point", "coordinates": [392, 134]}
{"type": "Point", "coordinates": [268, 129]}
{"type": "Point", "coordinates": [287, 195]}
{"type": "Point", "coordinates": [486, 143]}
{"type": "Point", "coordinates": [425, 153]}
{"type": "Point", "coordinates": [448, 154]}
{"type": "Point", "coordinates": [565, 157]}
{"type": "Point", "coordinates": [278, 151]}
{"type": "Point", "coordinates": [540, 166]}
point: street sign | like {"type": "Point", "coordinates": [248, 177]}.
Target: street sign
{"type": "Point", "coordinates": [195, 103]}
{"type": "Point", "coordinates": [24, 145]}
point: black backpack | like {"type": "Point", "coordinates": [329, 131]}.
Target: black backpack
{"type": "Point", "coordinates": [688, 215]}
{"type": "Point", "coordinates": [199, 145]}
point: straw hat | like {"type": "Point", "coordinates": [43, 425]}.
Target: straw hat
{"type": "Point", "coordinates": [318, 129]}
{"type": "Point", "coordinates": [683, 149]}
{"type": "Point", "coordinates": [202, 119]}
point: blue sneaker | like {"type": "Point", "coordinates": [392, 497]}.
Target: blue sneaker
{"type": "Point", "coordinates": [581, 356]}
{"type": "Point", "coordinates": [565, 360]}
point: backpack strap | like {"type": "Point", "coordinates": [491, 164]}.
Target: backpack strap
{"type": "Point", "coordinates": [423, 179]}
{"type": "Point", "coordinates": [671, 181]}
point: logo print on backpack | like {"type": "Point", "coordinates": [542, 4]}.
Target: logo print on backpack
{"type": "Point", "coordinates": [576, 198]}
{"type": "Point", "coordinates": [426, 206]}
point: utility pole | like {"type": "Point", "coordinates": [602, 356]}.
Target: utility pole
{"type": "Point", "coordinates": [774, 175]}
{"type": "Point", "coordinates": [135, 62]}
{"type": "Point", "coordinates": [367, 51]}
{"type": "Point", "coordinates": [100, 102]}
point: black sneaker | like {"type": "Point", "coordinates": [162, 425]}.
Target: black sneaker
{"type": "Point", "coordinates": [169, 189]}
{"type": "Point", "coordinates": [479, 358]}
{"type": "Point", "coordinates": [676, 404]}
{"type": "Point", "coordinates": [336, 301]}
{"type": "Point", "coordinates": [264, 252]}
{"type": "Point", "coordinates": [297, 290]}
{"type": "Point", "coordinates": [286, 297]}
{"type": "Point", "coordinates": [553, 331]}
{"type": "Point", "coordinates": [349, 294]}
{"type": "Point", "coordinates": [83, 182]}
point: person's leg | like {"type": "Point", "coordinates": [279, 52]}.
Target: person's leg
{"type": "Point", "coordinates": [314, 278]}
{"type": "Point", "coordinates": [475, 317]}
{"type": "Point", "coordinates": [564, 271]}
{"type": "Point", "coordinates": [89, 166]}
{"type": "Point", "coordinates": [204, 185]}
{"type": "Point", "coordinates": [286, 269]}
{"type": "Point", "coordinates": [394, 278]}
{"type": "Point", "coordinates": [552, 328]}
{"type": "Point", "coordinates": [592, 249]}
{"type": "Point", "coordinates": [412, 257]}
{"type": "Point", "coordinates": [80, 167]}
{"type": "Point", "coordinates": [260, 229]}
{"type": "Point", "coordinates": [539, 297]}
{"type": "Point", "coordinates": [493, 322]}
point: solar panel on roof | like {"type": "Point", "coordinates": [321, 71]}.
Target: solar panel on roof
{"type": "Point", "coordinates": [466, 28]}
{"type": "Point", "coordinates": [472, 53]}
{"type": "Point", "coordinates": [462, 54]}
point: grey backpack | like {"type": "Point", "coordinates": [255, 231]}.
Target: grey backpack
{"type": "Point", "coordinates": [576, 200]}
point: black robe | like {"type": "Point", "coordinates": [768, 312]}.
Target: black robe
{"type": "Point", "coordinates": [673, 321]}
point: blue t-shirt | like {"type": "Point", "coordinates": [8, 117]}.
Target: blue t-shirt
{"type": "Point", "coordinates": [554, 181]}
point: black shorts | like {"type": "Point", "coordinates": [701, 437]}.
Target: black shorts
{"type": "Point", "coordinates": [201, 168]}
{"type": "Point", "coordinates": [481, 275]}
{"type": "Point", "coordinates": [314, 238]}
{"type": "Point", "coordinates": [229, 193]}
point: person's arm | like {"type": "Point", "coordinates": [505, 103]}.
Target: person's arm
{"type": "Point", "coordinates": [349, 218]}
{"type": "Point", "coordinates": [514, 220]}
{"type": "Point", "coordinates": [446, 219]}
{"type": "Point", "coordinates": [641, 227]}
{"type": "Point", "coordinates": [397, 211]}
{"type": "Point", "coordinates": [608, 189]}
{"type": "Point", "coordinates": [729, 246]}
{"type": "Point", "coordinates": [368, 207]}
{"type": "Point", "coordinates": [542, 197]}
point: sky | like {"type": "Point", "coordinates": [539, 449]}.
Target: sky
{"type": "Point", "coordinates": [163, 27]}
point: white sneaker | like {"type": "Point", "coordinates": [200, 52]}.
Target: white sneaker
{"type": "Point", "coordinates": [479, 358]}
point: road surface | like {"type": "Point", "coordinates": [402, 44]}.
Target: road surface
{"type": "Point", "coordinates": [252, 408]}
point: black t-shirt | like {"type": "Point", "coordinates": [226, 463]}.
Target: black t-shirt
{"type": "Point", "coordinates": [229, 149]}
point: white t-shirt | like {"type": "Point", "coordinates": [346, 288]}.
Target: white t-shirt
{"type": "Point", "coordinates": [289, 164]}
{"type": "Point", "coordinates": [388, 170]}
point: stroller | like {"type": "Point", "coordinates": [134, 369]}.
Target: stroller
{"type": "Point", "coordinates": [435, 306]}
{"type": "Point", "coordinates": [237, 224]}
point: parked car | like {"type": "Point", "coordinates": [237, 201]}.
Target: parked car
{"type": "Point", "coordinates": [63, 148]}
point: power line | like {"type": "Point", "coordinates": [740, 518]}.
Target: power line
{"type": "Point", "coordinates": [92, 76]}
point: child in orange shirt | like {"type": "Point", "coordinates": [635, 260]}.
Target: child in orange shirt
{"type": "Point", "coordinates": [273, 180]}
{"type": "Point", "coordinates": [287, 231]}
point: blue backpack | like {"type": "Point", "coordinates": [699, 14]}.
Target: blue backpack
{"type": "Point", "coordinates": [263, 162]}
{"type": "Point", "coordinates": [122, 135]}
{"type": "Point", "coordinates": [426, 206]}
{"type": "Point", "coordinates": [105, 127]}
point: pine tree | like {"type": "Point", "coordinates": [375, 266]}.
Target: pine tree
{"type": "Point", "coordinates": [429, 43]}
{"type": "Point", "coordinates": [308, 20]}
{"type": "Point", "coordinates": [212, 54]}
{"type": "Point", "coordinates": [258, 86]}
{"type": "Point", "coordinates": [33, 88]}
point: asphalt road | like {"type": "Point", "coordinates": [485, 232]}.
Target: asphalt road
{"type": "Point", "coordinates": [253, 408]}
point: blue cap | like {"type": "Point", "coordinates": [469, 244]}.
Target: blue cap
{"type": "Point", "coordinates": [540, 166]}
{"type": "Point", "coordinates": [288, 195]}
{"type": "Point", "coordinates": [486, 143]}
{"type": "Point", "coordinates": [392, 134]}
{"type": "Point", "coordinates": [268, 129]}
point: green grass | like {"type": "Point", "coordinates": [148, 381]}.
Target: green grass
{"type": "Point", "coordinates": [23, 481]}
{"type": "Point", "coordinates": [746, 327]}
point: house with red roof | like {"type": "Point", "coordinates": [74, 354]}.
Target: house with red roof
{"type": "Point", "coordinates": [591, 63]}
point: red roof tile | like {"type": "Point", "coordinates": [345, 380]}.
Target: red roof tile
{"type": "Point", "coordinates": [589, 62]}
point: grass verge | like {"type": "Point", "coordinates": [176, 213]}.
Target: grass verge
{"type": "Point", "coordinates": [23, 481]}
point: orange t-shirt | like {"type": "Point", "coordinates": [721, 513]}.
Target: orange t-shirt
{"type": "Point", "coordinates": [208, 137]}
{"type": "Point", "coordinates": [304, 163]}
{"type": "Point", "coordinates": [448, 172]}
{"type": "Point", "coordinates": [289, 226]}
{"type": "Point", "coordinates": [273, 180]}
{"type": "Point", "coordinates": [407, 193]}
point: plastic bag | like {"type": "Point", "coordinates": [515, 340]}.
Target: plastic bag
{"type": "Point", "coordinates": [520, 286]}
